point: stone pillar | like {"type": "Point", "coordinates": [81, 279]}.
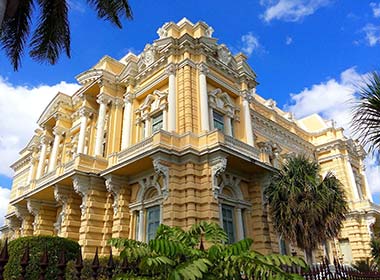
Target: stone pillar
{"type": "Point", "coordinates": [26, 220]}
{"type": "Point", "coordinates": [165, 118]}
{"type": "Point", "coordinates": [228, 127]}
{"type": "Point", "coordinates": [68, 220]}
{"type": "Point", "coordinates": [45, 214]}
{"type": "Point", "coordinates": [58, 134]}
{"type": "Point", "coordinates": [172, 100]}
{"type": "Point", "coordinates": [247, 99]}
{"type": "Point", "coordinates": [121, 193]}
{"type": "Point", "coordinates": [115, 126]}
{"type": "Point", "coordinates": [239, 224]}
{"type": "Point", "coordinates": [32, 170]}
{"type": "Point", "coordinates": [204, 110]}
{"type": "Point", "coordinates": [147, 127]}
{"type": "Point", "coordinates": [84, 116]}
{"type": "Point", "coordinates": [103, 100]}
{"type": "Point", "coordinates": [94, 222]}
{"type": "Point", "coordinates": [140, 236]}
{"type": "Point", "coordinates": [127, 121]}
{"type": "Point", "coordinates": [41, 163]}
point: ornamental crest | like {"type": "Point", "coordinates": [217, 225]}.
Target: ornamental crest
{"type": "Point", "coordinates": [149, 55]}
{"type": "Point", "coordinates": [224, 54]}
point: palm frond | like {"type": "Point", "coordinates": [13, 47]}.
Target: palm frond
{"type": "Point", "coordinates": [366, 113]}
{"type": "Point", "coordinates": [15, 31]}
{"type": "Point", "coordinates": [52, 35]}
{"type": "Point", "coordinates": [112, 10]}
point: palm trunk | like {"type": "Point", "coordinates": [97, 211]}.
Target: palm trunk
{"type": "Point", "coordinates": [3, 7]}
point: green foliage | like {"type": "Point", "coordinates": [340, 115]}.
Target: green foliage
{"type": "Point", "coordinates": [305, 208]}
{"type": "Point", "coordinates": [176, 254]}
{"type": "Point", "coordinates": [365, 266]}
{"type": "Point", "coordinates": [37, 245]}
{"type": "Point", "coordinates": [51, 36]}
{"type": "Point", "coordinates": [87, 270]}
{"type": "Point", "coordinates": [366, 113]}
{"type": "Point", "coordinates": [375, 250]}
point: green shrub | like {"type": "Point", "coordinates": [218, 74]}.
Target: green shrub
{"type": "Point", "coordinates": [87, 270]}
{"type": "Point", "coordinates": [37, 245]}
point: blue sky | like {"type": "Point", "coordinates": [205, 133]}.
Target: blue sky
{"type": "Point", "coordinates": [308, 56]}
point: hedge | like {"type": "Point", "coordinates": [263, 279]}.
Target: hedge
{"type": "Point", "coordinates": [37, 245]}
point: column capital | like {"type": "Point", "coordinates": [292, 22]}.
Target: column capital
{"type": "Point", "coordinates": [203, 68]}
{"type": "Point", "coordinates": [118, 102]}
{"type": "Point", "coordinates": [21, 211]}
{"type": "Point", "coordinates": [59, 131]}
{"type": "Point", "coordinates": [45, 140]}
{"type": "Point", "coordinates": [104, 99]}
{"type": "Point", "coordinates": [247, 95]}
{"type": "Point", "coordinates": [171, 69]}
{"type": "Point", "coordinates": [82, 184]}
{"type": "Point", "coordinates": [128, 97]}
{"type": "Point", "coordinates": [34, 205]}
{"type": "Point", "coordinates": [85, 111]}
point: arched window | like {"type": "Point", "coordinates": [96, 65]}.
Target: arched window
{"type": "Point", "coordinates": [232, 208]}
{"type": "Point", "coordinates": [147, 210]}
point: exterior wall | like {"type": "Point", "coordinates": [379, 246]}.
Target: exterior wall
{"type": "Point", "coordinates": [84, 175]}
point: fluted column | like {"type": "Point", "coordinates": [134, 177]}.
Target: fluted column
{"type": "Point", "coordinates": [247, 99]}
{"type": "Point", "coordinates": [172, 100]}
{"type": "Point", "coordinates": [103, 100]}
{"type": "Point", "coordinates": [127, 120]}
{"type": "Point", "coordinates": [58, 134]}
{"type": "Point", "coordinates": [84, 115]}
{"type": "Point", "coordinates": [205, 122]}
{"type": "Point", "coordinates": [41, 163]}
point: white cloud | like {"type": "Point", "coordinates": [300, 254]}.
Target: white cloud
{"type": "Point", "coordinates": [291, 10]}
{"type": "Point", "coordinates": [375, 9]}
{"type": "Point", "coordinates": [20, 107]}
{"type": "Point", "coordinates": [372, 34]}
{"type": "Point", "coordinates": [250, 43]}
{"type": "Point", "coordinates": [4, 198]}
{"type": "Point", "coordinates": [333, 99]}
{"type": "Point", "coordinates": [288, 40]}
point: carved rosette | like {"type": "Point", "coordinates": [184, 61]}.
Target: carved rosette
{"type": "Point", "coordinates": [162, 170]}
{"type": "Point", "coordinates": [113, 185]}
{"type": "Point", "coordinates": [217, 169]}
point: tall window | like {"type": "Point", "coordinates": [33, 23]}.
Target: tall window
{"type": "Point", "coordinates": [157, 122]}
{"type": "Point", "coordinates": [218, 120]}
{"type": "Point", "coordinates": [283, 247]}
{"type": "Point", "coordinates": [153, 221]}
{"type": "Point", "coordinates": [228, 222]}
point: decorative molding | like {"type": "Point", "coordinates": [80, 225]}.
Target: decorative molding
{"type": "Point", "coordinates": [82, 184]}
{"type": "Point", "coordinates": [203, 69]}
{"type": "Point", "coordinates": [61, 195]}
{"type": "Point", "coordinates": [113, 185]}
{"type": "Point", "coordinates": [171, 69]}
{"type": "Point", "coordinates": [224, 54]}
{"type": "Point", "coordinates": [162, 170]}
{"type": "Point", "coordinates": [104, 99]}
{"type": "Point", "coordinates": [217, 169]}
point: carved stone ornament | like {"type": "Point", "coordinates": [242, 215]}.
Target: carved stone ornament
{"type": "Point", "coordinates": [61, 195]}
{"type": "Point", "coordinates": [113, 185]}
{"type": "Point", "coordinates": [162, 32]}
{"type": "Point", "coordinates": [203, 69]}
{"type": "Point", "coordinates": [218, 168]}
{"type": "Point", "coordinates": [80, 184]}
{"type": "Point", "coordinates": [224, 54]}
{"type": "Point", "coordinates": [149, 55]}
{"type": "Point", "coordinates": [209, 31]}
{"type": "Point", "coordinates": [162, 170]}
{"type": "Point", "coordinates": [247, 95]}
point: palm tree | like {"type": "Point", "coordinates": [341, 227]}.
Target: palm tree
{"type": "Point", "coordinates": [178, 254]}
{"type": "Point", "coordinates": [52, 34]}
{"type": "Point", "coordinates": [306, 209]}
{"type": "Point", "coordinates": [366, 115]}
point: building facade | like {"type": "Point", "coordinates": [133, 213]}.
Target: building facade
{"type": "Point", "coordinates": [174, 135]}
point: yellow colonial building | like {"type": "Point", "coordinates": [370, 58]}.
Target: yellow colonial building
{"type": "Point", "coordinates": [174, 135]}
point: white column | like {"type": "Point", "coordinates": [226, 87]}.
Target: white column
{"type": "Point", "coordinates": [147, 127]}
{"type": "Point", "coordinates": [247, 98]}
{"type": "Point", "coordinates": [239, 225]}
{"type": "Point", "coordinates": [84, 114]}
{"type": "Point", "coordinates": [41, 163]}
{"type": "Point", "coordinates": [127, 117]}
{"type": "Point", "coordinates": [172, 100]}
{"type": "Point", "coordinates": [103, 101]}
{"type": "Point", "coordinates": [165, 119]}
{"type": "Point", "coordinates": [228, 128]}
{"type": "Point", "coordinates": [58, 132]}
{"type": "Point", "coordinates": [354, 189]}
{"type": "Point", "coordinates": [31, 170]}
{"type": "Point", "coordinates": [205, 122]}
{"type": "Point", "coordinates": [141, 226]}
